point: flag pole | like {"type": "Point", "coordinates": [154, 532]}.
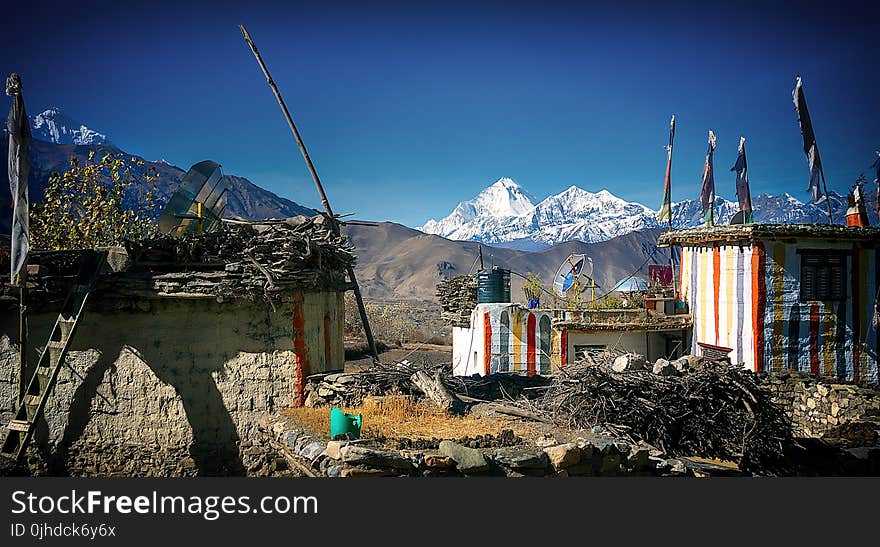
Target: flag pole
{"type": "Point", "coordinates": [334, 223]}
{"type": "Point", "coordinates": [22, 333]}
{"type": "Point", "coordinates": [827, 197]}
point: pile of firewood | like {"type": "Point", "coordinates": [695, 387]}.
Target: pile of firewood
{"type": "Point", "coordinates": [268, 257]}
{"type": "Point", "coordinates": [458, 297]}
{"type": "Point", "coordinates": [714, 410]}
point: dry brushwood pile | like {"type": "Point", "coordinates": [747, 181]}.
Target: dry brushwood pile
{"type": "Point", "coordinates": [715, 410]}
{"type": "Point", "coordinates": [350, 389]}
{"type": "Point", "coordinates": [255, 258]}
{"type": "Point", "coordinates": [457, 297]}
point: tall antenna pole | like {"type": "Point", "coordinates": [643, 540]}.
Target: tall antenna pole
{"type": "Point", "coordinates": [324, 201]}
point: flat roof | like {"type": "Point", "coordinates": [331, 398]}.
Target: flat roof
{"type": "Point", "coordinates": [748, 233]}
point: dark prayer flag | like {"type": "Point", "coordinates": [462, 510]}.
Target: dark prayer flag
{"type": "Point", "coordinates": [666, 208]}
{"type": "Point", "coordinates": [742, 182]}
{"type": "Point", "coordinates": [18, 126]}
{"type": "Point", "coordinates": [810, 148]}
{"type": "Point", "coordinates": [707, 193]}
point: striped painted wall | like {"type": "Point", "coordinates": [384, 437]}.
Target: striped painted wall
{"type": "Point", "coordinates": [506, 338]}
{"type": "Point", "coordinates": [748, 298]}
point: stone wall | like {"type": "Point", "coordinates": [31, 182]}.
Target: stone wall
{"type": "Point", "coordinates": [167, 387]}
{"type": "Point", "coordinates": [817, 405]}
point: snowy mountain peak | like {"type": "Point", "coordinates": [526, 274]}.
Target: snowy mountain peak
{"type": "Point", "coordinates": [504, 215]}
{"type": "Point", "coordinates": [53, 125]}
{"type": "Point", "coordinates": [504, 198]}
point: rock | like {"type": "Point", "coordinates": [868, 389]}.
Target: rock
{"type": "Point", "coordinates": [628, 361]}
{"type": "Point", "coordinates": [365, 472]}
{"type": "Point", "coordinates": [563, 455]}
{"type": "Point", "coordinates": [546, 441]}
{"type": "Point", "coordinates": [312, 450]}
{"type": "Point", "coordinates": [467, 460]}
{"type": "Point", "coordinates": [682, 365]}
{"type": "Point", "coordinates": [334, 449]}
{"type": "Point", "coordinates": [663, 367]}
{"type": "Point", "coordinates": [290, 438]}
{"type": "Point", "coordinates": [638, 458]}
{"type": "Point", "coordinates": [363, 456]}
{"type": "Point", "coordinates": [333, 470]}
{"type": "Point", "coordinates": [438, 461]}
{"type": "Point", "coordinates": [519, 458]}
{"type": "Point", "coordinates": [313, 400]}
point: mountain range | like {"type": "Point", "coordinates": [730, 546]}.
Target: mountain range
{"type": "Point", "coordinates": [397, 263]}
{"type": "Point", "coordinates": [506, 215]}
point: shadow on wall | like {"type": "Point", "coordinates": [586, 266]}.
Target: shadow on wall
{"type": "Point", "coordinates": [214, 447]}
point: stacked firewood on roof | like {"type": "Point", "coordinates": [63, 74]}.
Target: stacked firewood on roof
{"type": "Point", "coordinates": [458, 298]}
{"type": "Point", "coordinates": [256, 257]}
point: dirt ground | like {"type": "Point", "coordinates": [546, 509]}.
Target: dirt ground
{"type": "Point", "coordinates": [413, 352]}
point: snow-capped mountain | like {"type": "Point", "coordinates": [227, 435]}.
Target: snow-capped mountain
{"type": "Point", "coordinates": [488, 212]}
{"type": "Point", "coordinates": [503, 215]}
{"type": "Point", "coordinates": [55, 126]}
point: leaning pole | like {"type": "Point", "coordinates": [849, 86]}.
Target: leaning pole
{"type": "Point", "coordinates": [334, 223]}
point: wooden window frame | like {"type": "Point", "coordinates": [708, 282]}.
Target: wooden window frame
{"type": "Point", "coordinates": [825, 262]}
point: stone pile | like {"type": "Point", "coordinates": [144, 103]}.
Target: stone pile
{"type": "Point", "coordinates": [458, 298]}
{"type": "Point", "coordinates": [365, 458]}
{"type": "Point", "coordinates": [817, 406]}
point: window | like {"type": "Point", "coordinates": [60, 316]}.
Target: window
{"type": "Point", "coordinates": [823, 276]}
{"type": "Point", "coordinates": [581, 350]}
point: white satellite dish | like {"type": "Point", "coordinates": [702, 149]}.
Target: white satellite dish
{"type": "Point", "coordinates": [569, 271]}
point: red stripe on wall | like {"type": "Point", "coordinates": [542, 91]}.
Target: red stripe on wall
{"type": "Point", "coordinates": [301, 366]}
{"type": "Point", "coordinates": [759, 300]}
{"type": "Point", "coordinates": [716, 283]}
{"type": "Point", "coordinates": [530, 345]}
{"type": "Point", "coordinates": [814, 338]}
{"type": "Point", "coordinates": [856, 313]}
{"type": "Point", "coordinates": [487, 343]}
{"type": "Point", "coordinates": [563, 351]}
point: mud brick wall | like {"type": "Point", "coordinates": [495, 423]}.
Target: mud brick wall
{"type": "Point", "coordinates": [817, 405]}
{"type": "Point", "coordinates": [164, 387]}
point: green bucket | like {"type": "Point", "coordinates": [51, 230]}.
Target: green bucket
{"type": "Point", "coordinates": [344, 424]}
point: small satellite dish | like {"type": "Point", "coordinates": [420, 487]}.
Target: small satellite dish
{"type": "Point", "coordinates": [738, 218]}
{"type": "Point", "coordinates": [199, 202]}
{"type": "Point", "coordinates": [569, 271]}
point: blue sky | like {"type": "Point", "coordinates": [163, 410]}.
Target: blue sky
{"type": "Point", "coordinates": [408, 108]}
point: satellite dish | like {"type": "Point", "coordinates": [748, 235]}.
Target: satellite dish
{"type": "Point", "coordinates": [569, 271]}
{"type": "Point", "coordinates": [199, 202]}
{"type": "Point", "coordinates": [738, 218]}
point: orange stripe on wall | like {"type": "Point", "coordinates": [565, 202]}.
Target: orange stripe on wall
{"type": "Point", "coordinates": [759, 298]}
{"type": "Point", "coordinates": [487, 343]}
{"type": "Point", "coordinates": [301, 366]}
{"type": "Point", "coordinates": [530, 345]}
{"type": "Point", "coordinates": [564, 348]}
{"type": "Point", "coordinates": [716, 284]}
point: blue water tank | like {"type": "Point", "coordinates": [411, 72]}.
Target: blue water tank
{"type": "Point", "coordinates": [493, 286]}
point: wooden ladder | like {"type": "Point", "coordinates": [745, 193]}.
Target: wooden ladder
{"type": "Point", "coordinates": [21, 427]}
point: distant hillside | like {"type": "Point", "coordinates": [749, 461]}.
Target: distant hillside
{"type": "Point", "coordinates": [400, 263]}
{"type": "Point", "coordinates": [245, 199]}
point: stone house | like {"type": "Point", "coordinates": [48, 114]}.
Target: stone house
{"type": "Point", "coordinates": [183, 345]}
